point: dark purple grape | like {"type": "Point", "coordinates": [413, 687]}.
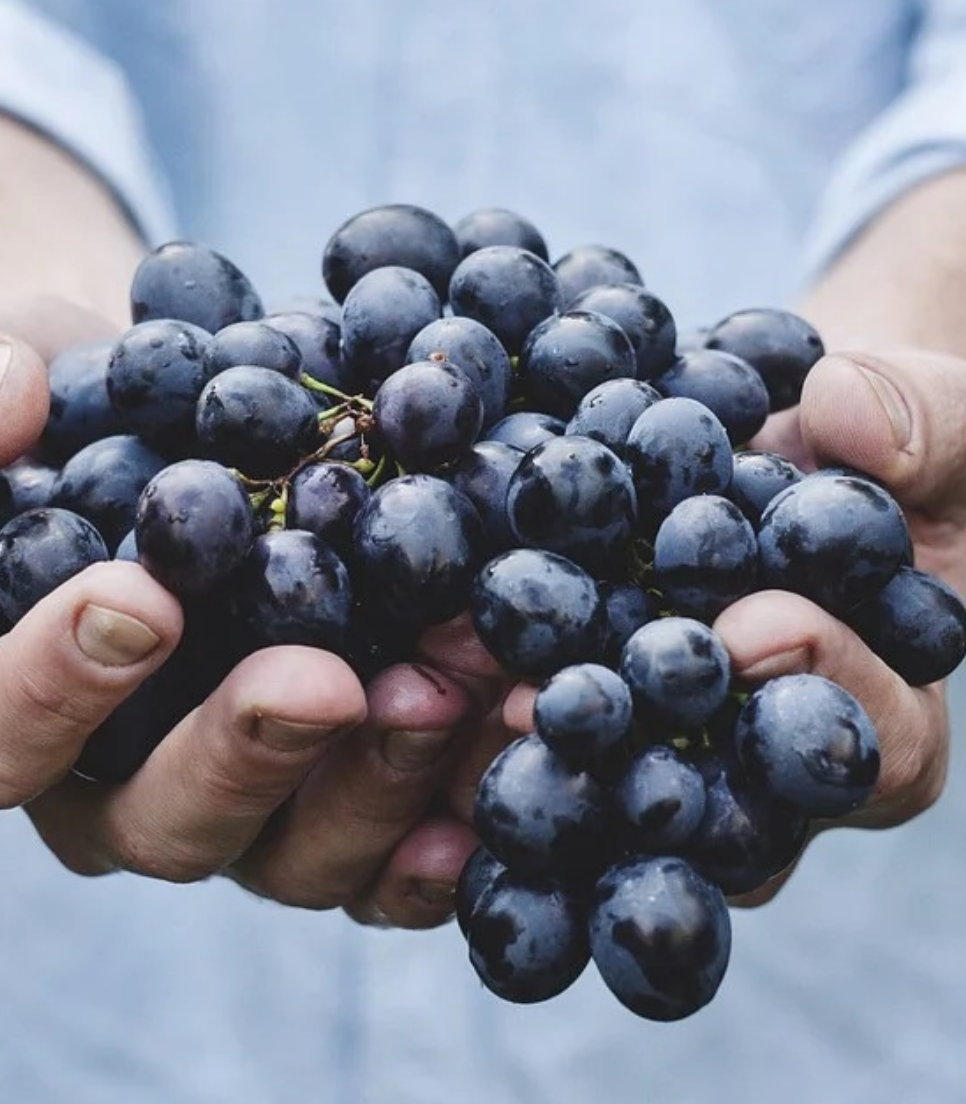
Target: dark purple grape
{"type": "Point", "coordinates": [479, 872]}
{"type": "Point", "coordinates": [677, 448]}
{"type": "Point", "coordinates": [568, 355]}
{"type": "Point", "coordinates": [80, 407]}
{"type": "Point", "coordinates": [917, 624]}
{"type": "Point", "coordinates": [583, 713]}
{"type": "Point", "coordinates": [39, 550]}
{"type": "Point", "coordinates": [705, 556]}
{"type": "Point", "coordinates": [103, 483]}
{"type": "Point", "coordinates": [747, 834]}
{"type": "Point", "coordinates": [811, 743]}
{"type": "Point", "coordinates": [509, 290]}
{"type": "Point", "coordinates": [194, 526]}
{"type": "Point", "coordinates": [608, 412]}
{"type": "Point", "coordinates": [155, 374]}
{"type": "Point", "coordinates": [660, 936]}
{"type": "Point", "coordinates": [325, 498]}
{"type": "Point", "coordinates": [779, 345]}
{"type": "Point", "coordinates": [254, 343]}
{"type": "Point", "coordinates": [643, 317]}
{"type": "Point", "coordinates": [758, 477]}
{"type": "Point", "coordinates": [528, 942]}
{"type": "Point", "coordinates": [573, 496]}
{"type": "Point", "coordinates": [394, 234]}
{"type": "Point", "coordinates": [428, 414]}
{"type": "Point", "coordinates": [192, 283]}
{"type": "Point", "coordinates": [725, 384]}
{"type": "Point", "coordinates": [677, 670]}
{"type": "Point", "coordinates": [257, 421]}
{"type": "Point", "coordinates": [382, 314]}
{"type": "Point", "coordinates": [498, 226]}
{"type": "Point", "coordinates": [292, 589]}
{"type": "Point", "coordinates": [588, 265]}
{"type": "Point", "coordinates": [319, 340]}
{"type": "Point", "coordinates": [471, 346]}
{"type": "Point", "coordinates": [660, 800]}
{"type": "Point", "coordinates": [483, 474]}
{"type": "Point", "coordinates": [419, 544]}
{"type": "Point", "coordinates": [526, 429]}
{"type": "Point", "coordinates": [835, 539]}
{"type": "Point", "coordinates": [628, 607]}
{"type": "Point", "coordinates": [127, 549]}
{"type": "Point", "coordinates": [539, 817]}
{"type": "Point", "coordinates": [536, 612]}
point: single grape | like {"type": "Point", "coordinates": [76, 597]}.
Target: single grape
{"type": "Point", "coordinates": [588, 265]}
{"type": "Point", "coordinates": [498, 226]}
{"type": "Point", "coordinates": [678, 672]}
{"type": "Point", "coordinates": [758, 477]}
{"type": "Point", "coordinates": [39, 550]}
{"type": "Point", "coordinates": [627, 607]}
{"type": "Point", "coordinates": [509, 290]}
{"type": "Point", "coordinates": [479, 872]}
{"type": "Point", "coordinates": [537, 815]}
{"type": "Point", "coordinates": [643, 317]}
{"type": "Point", "coordinates": [483, 474]}
{"type": "Point", "coordinates": [608, 412]}
{"type": "Point", "coordinates": [428, 414]}
{"type": "Point", "coordinates": [80, 407]}
{"type": "Point", "coordinates": [660, 800]}
{"type": "Point", "coordinates": [527, 942]}
{"type": "Point", "coordinates": [31, 483]}
{"type": "Point", "coordinates": [254, 343]}
{"type": "Point", "coordinates": [257, 420]}
{"type": "Point", "coordinates": [705, 556]}
{"type": "Point", "coordinates": [568, 355]}
{"type": "Point", "coordinates": [536, 612]}
{"type": "Point", "coordinates": [325, 499]}
{"type": "Point", "coordinates": [319, 342]}
{"type": "Point", "coordinates": [725, 384]}
{"type": "Point", "coordinates": [917, 624]}
{"type": "Point", "coordinates": [192, 283]}
{"type": "Point", "coordinates": [660, 936]}
{"type": "Point", "coordinates": [811, 743]}
{"type": "Point", "coordinates": [194, 526]}
{"type": "Point", "coordinates": [419, 544]}
{"type": "Point", "coordinates": [835, 539]}
{"type": "Point", "coordinates": [583, 713]}
{"type": "Point", "coordinates": [526, 429]}
{"type": "Point", "coordinates": [394, 234]}
{"type": "Point", "coordinates": [779, 345]}
{"type": "Point", "coordinates": [103, 483]}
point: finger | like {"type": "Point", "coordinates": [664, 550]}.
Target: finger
{"type": "Point", "coordinates": [899, 418]}
{"type": "Point", "coordinates": [24, 397]}
{"type": "Point", "coordinates": [518, 708]}
{"type": "Point", "coordinates": [67, 664]}
{"type": "Point", "coordinates": [782, 433]}
{"type": "Point", "coordinates": [417, 887]}
{"type": "Point", "coordinates": [206, 791]}
{"type": "Point", "coordinates": [774, 633]}
{"type": "Point", "coordinates": [490, 737]}
{"type": "Point", "coordinates": [350, 814]}
{"type": "Point", "coordinates": [456, 651]}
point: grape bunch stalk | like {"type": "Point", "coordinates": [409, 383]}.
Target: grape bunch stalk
{"type": "Point", "coordinates": [466, 426]}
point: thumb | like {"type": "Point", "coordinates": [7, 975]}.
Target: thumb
{"type": "Point", "coordinates": [24, 398]}
{"type": "Point", "coordinates": [899, 418]}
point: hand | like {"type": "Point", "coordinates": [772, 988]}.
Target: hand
{"type": "Point", "coordinates": [290, 778]}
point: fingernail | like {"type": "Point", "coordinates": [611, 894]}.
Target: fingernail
{"type": "Point", "coordinates": [777, 663]}
{"type": "Point", "coordinates": [436, 893]}
{"type": "Point", "coordinates": [290, 736]}
{"type": "Point", "coordinates": [113, 639]}
{"type": "Point", "coordinates": [893, 404]}
{"type": "Point", "coordinates": [6, 356]}
{"type": "Point", "coordinates": [409, 751]}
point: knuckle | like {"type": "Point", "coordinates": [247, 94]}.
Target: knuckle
{"type": "Point", "coordinates": [45, 702]}
{"type": "Point", "coordinates": [174, 861]}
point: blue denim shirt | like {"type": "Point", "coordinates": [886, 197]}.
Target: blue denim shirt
{"type": "Point", "coordinates": [731, 149]}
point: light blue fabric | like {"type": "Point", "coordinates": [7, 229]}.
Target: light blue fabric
{"type": "Point", "coordinates": [726, 147]}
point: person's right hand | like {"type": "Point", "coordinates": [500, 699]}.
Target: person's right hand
{"type": "Point", "coordinates": [291, 778]}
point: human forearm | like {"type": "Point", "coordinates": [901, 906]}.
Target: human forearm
{"type": "Point", "coordinates": [902, 282]}
{"type": "Point", "coordinates": [62, 232]}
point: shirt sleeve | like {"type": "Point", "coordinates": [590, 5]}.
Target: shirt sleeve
{"type": "Point", "coordinates": [920, 135]}
{"type": "Point", "coordinates": [54, 82]}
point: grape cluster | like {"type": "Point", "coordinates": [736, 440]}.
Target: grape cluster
{"type": "Point", "coordinates": [468, 426]}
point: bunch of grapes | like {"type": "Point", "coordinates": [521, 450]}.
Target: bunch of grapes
{"type": "Point", "coordinates": [470, 427]}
